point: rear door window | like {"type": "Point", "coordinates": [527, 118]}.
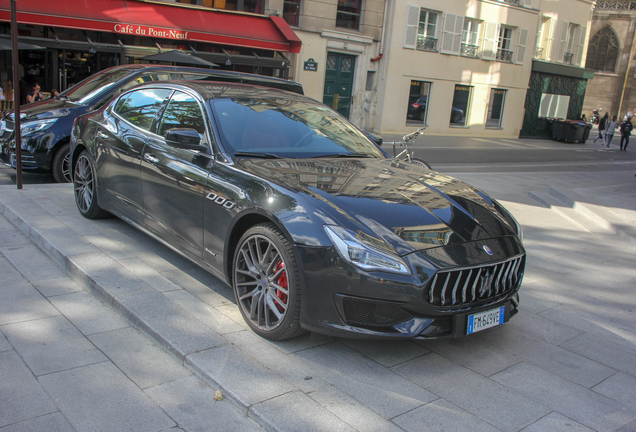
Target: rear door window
{"type": "Point", "coordinates": [140, 107]}
{"type": "Point", "coordinates": [182, 111]}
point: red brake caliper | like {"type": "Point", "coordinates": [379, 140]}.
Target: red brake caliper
{"type": "Point", "coordinates": [282, 281]}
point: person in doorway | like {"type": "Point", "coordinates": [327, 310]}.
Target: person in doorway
{"type": "Point", "coordinates": [35, 94]}
{"type": "Point", "coordinates": [54, 93]}
{"type": "Point", "coordinates": [626, 130]}
{"type": "Point", "coordinates": [610, 128]}
{"type": "Point", "coordinates": [601, 127]}
{"type": "Point", "coordinates": [7, 89]}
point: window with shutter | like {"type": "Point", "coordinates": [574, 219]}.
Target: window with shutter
{"type": "Point", "coordinates": [452, 34]}
{"type": "Point", "coordinates": [521, 46]}
{"type": "Point", "coordinates": [470, 38]}
{"type": "Point", "coordinates": [491, 36]}
{"type": "Point", "coordinates": [412, 23]}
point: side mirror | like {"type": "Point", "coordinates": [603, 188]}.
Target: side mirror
{"type": "Point", "coordinates": [377, 140]}
{"type": "Point", "coordinates": [188, 139]}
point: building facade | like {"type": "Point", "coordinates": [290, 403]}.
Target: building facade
{"type": "Point", "coordinates": [610, 48]}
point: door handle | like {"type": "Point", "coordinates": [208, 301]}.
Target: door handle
{"type": "Point", "coordinates": [150, 158]}
{"type": "Point", "coordinates": [102, 135]}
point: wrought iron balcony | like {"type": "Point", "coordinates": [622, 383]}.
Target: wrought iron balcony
{"type": "Point", "coordinates": [504, 55]}
{"type": "Point", "coordinates": [514, 2]}
{"type": "Point", "coordinates": [539, 53]}
{"type": "Point", "coordinates": [568, 58]}
{"type": "Point", "coordinates": [426, 43]}
{"type": "Point", "coordinates": [469, 50]}
{"type": "Point", "coordinates": [615, 6]}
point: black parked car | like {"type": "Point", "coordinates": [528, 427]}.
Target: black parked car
{"type": "Point", "coordinates": [46, 125]}
{"type": "Point", "coordinates": [313, 226]}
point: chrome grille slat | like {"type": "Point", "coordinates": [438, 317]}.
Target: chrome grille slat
{"type": "Point", "coordinates": [464, 286]}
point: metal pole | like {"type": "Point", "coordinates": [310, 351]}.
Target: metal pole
{"type": "Point", "coordinates": [629, 64]}
{"type": "Point", "coordinates": [16, 95]}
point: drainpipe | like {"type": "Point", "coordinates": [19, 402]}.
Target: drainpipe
{"type": "Point", "coordinates": [629, 64]}
{"type": "Point", "coordinates": [386, 6]}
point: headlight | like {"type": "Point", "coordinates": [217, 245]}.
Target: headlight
{"type": "Point", "coordinates": [28, 128]}
{"type": "Point", "coordinates": [365, 252]}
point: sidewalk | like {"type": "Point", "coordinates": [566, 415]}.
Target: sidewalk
{"type": "Point", "coordinates": [103, 328]}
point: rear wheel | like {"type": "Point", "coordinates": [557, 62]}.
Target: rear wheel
{"type": "Point", "coordinates": [266, 283]}
{"type": "Point", "coordinates": [420, 162]}
{"type": "Point", "coordinates": [85, 187]}
{"type": "Point", "coordinates": [61, 164]}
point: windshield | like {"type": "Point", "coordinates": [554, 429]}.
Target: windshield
{"type": "Point", "coordinates": [289, 128]}
{"type": "Point", "coordinates": [94, 84]}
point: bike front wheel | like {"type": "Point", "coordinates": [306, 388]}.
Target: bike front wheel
{"type": "Point", "coordinates": [420, 162]}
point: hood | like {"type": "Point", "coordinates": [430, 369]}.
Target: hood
{"type": "Point", "coordinates": [411, 208]}
{"type": "Point", "coordinates": [50, 108]}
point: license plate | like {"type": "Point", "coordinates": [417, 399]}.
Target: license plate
{"type": "Point", "coordinates": [484, 320]}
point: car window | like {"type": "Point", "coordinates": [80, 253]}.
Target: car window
{"type": "Point", "coordinates": [95, 84]}
{"type": "Point", "coordinates": [145, 79]}
{"type": "Point", "coordinates": [140, 107]}
{"type": "Point", "coordinates": [182, 111]}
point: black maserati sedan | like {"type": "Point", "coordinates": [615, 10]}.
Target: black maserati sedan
{"type": "Point", "coordinates": [46, 125]}
{"type": "Point", "coordinates": [313, 226]}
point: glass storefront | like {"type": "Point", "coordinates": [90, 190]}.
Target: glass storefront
{"type": "Point", "coordinates": [461, 104]}
{"type": "Point", "coordinates": [495, 108]}
{"type": "Point", "coordinates": [417, 109]}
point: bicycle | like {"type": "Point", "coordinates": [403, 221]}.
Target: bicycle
{"type": "Point", "coordinates": [408, 156]}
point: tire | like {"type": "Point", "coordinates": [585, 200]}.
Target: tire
{"type": "Point", "coordinates": [84, 186]}
{"type": "Point", "coordinates": [266, 283]}
{"type": "Point", "coordinates": [61, 166]}
{"type": "Point", "coordinates": [420, 162]}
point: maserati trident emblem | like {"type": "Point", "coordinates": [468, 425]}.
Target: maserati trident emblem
{"type": "Point", "coordinates": [486, 281]}
{"type": "Point", "coordinates": [487, 249]}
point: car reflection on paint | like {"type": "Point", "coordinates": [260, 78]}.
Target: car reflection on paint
{"type": "Point", "coordinates": [313, 226]}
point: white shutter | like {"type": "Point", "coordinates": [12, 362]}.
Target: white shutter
{"type": "Point", "coordinates": [549, 46]}
{"type": "Point", "coordinates": [452, 34]}
{"type": "Point", "coordinates": [491, 36]}
{"type": "Point", "coordinates": [580, 44]}
{"type": "Point", "coordinates": [521, 47]}
{"type": "Point", "coordinates": [563, 41]}
{"type": "Point", "coordinates": [412, 24]}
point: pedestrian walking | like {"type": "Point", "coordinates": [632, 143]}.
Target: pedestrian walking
{"type": "Point", "coordinates": [610, 128]}
{"type": "Point", "coordinates": [626, 130]}
{"type": "Point", "coordinates": [601, 127]}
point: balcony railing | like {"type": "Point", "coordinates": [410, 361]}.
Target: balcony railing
{"type": "Point", "coordinates": [568, 58]}
{"type": "Point", "coordinates": [426, 43]}
{"type": "Point", "coordinates": [615, 6]}
{"type": "Point", "coordinates": [504, 55]}
{"type": "Point", "coordinates": [539, 53]}
{"type": "Point", "coordinates": [469, 50]}
{"type": "Point", "coordinates": [514, 2]}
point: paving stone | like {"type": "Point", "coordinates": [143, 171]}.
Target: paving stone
{"type": "Point", "coordinates": [21, 397]}
{"type": "Point", "coordinates": [50, 423]}
{"type": "Point", "coordinates": [552, 358]}
{"type": "Point", "coordinates": [387, 353]}
{"type": "Point", "coordinates": [12, 237]}
{"type": "Point", "coordinates": [533, 303]}
{"type": "Point", "coordinates": [555, 422]}
{"type": "Point", "coordinates": [300, 343]}
{"type": "Point", "coordinates": [9, 273]}
{"type": "Point", "coordinates": [5, 225]}
{"type": "Point", "coordinates": [60, 243]}
{"type": "Point", "coordinates": [568, 399]}
{"type": "Point", "coordinates": [72, 219]}
{"type": "Point", "coordinates": [143, 362]}
{"type": "Point", "coordinates": [190, 402]}
{"type": "Point", "coordinates": [377, 387]}
{"type": "Point", "coordinates": [21, 302]}
{"type": "Point", "coordinates": [105, 276]}
{"type": "Point", "coordinates": [297, 412]}
{"type": "Point", "coordinates": [542, 329]}
{"type": "Point", "coordinates": [167, 323]}
{"type": "Point", "coordinates": [351, 411]}
{"type": "Point", "coordinates": [108, 246]}
{"type": "Point", "coordinates": [209, 316]}
{"type": "Point", "coordinates": [149, 275]}
{"type": "Point", "coordinates": [26, 216]}
{"type": "Point", "coordinates": [620, 356]}
{"type": "Point", "coordinates": [240, 377]}
{"type": "Point", "coordinates": [231, 311]}
{"type": "Point", "coordinates": [4, 344]}
{"type": "Point", "coordinates": [51, 344]}
{"type": "Point", "coordinates": [620, 387]}
{"type": "Point", "coordinates": [87, 313]}
{"type": "Point", "coordinates": [32, 262]}
{"type": "Point", "coordinates": [285, 366]}
{"type": "Point", "coordinates": [55, 287]}
{"type": "Point", "coordinates": [441, 415]}
{"type": "Point", "coordinates": [488, 400]}
{"type": "Point", "coordinates": [97, 406]}
{"type": "Point", "coordinates": [213, 292]}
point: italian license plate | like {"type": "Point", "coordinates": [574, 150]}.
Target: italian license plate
{"type": "Point", "coordinates": [484, 320]}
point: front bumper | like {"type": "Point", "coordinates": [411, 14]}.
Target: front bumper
{"type": "Point", "coordinates": [343, 301]}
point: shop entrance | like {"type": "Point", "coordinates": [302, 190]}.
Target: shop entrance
{"type": "Point", "coordinates": [339, 82]}
{"type": "Point", "coordinates": [74, 66]}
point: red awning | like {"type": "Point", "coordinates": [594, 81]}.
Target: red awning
{"type": "Point", "coordinates": [158, 20]}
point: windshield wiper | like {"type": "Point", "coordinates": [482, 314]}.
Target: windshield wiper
{"type": "Point", "coordinates": [344, 155]}
{"type": "Point", "coordinates": [256, 155]}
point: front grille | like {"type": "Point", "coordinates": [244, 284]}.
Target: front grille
{"type": "Point", "coordinates": [369, 313]}
{"type": "Point", "coordinates": [459, 288]}
{"type": "Point", "coordinates": [445, 324]}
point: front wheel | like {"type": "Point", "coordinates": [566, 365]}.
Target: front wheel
{"type": "Point", "coordinates": [266, 283]}
{"type": "Point", "coordinates": [85, 187]}
{"type": "Point", "coordinates": [61, 164]}
{"type": "Point", "coordinates": [420, 163]}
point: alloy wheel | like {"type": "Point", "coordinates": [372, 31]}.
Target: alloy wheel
{"type": "Point", "coordinates": [83, 182]}
{"type": "Point", "coordinates": [261, 282]}
{"type": "Point", "coordinates": [66, 167]}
